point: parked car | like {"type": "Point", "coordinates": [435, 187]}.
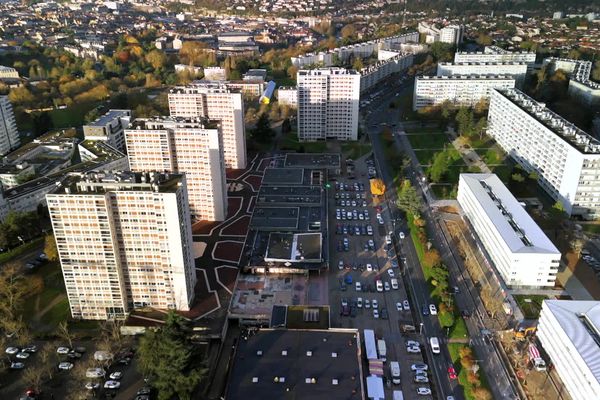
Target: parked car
{"type": "Point", "coordinates": [17, 365]}
{"type": "Point", "coordinates": [22, 355]}
{"type": "Point", "coordinates": [451, 372]}
{"type": "Point", "coordinates": [406, 305]}
{"type": "Point", "coordinates": [433, 309]}
{"type": "Point", "coordinates": [425, 309]}
{"type": "Point", "coordinates": [384, 313]}
{"type": "Point", "coordinates": [94, 373]}
{"type": "Point", "coordinates": [112, 384]}
{"type": "Point", "coordinates": [92, 385]}
{"type": "Point", "coordinates": [423, 391]}
{"type": "Point", "coordinates": [419, 367]}
{"type": "Point", "coordinates": [63, 350]}
{"type": "Point", "coordinates": [375, 313]}
{"type": "Point", "coordinates": [65, 366]}
{"type": "Point", "coordinates": [11, 350]}
{"type": "Point", "coordinates": [421, 379]}
{"type": "Point", "coordinates": [398, 306]}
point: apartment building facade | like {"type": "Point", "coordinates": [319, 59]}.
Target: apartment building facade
{"type": "Point", "coordinates": [521, 252]}
{"type": "Point", "coordinates": [565, 158]}
{"type": "Point", "coordinates": [193, 146]}
{"type": "Point", "coordinates": [217, 102]}
{"type": "Point", "coordinates": [124, 241]}
{"type": "Point", "coordinates": [457, 89]}
{"type": "Point", "coordinates": [109, 128]}
{"type": "Point", "coordinates": [518, 70]}
{"type": "Point", "coordinates": [9, 135]}
{"type": "Point", "coordinates": [494, 54]}
{"type": "Point", "coordinates": [569, 331]}
{"type": "Point", "coordinates": [288, 96]}
{"type": "Point", "coordinates": [328, 101]}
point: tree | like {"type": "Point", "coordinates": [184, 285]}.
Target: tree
{"type": "Point", "coordinates": [484, 40]}
{"type": "Point", "coordinates": [33, 377]}
{"type": "Point", "coordinates": [432, 257]}
{"type": "Point", "coordinates": [46, 356]}
{"type": "Point", "coordinates": [50, 248]}
{"type": "Point", "coordinates": [348, 31]}
{"type": "Point", "coordinates": [439, 165]}
{"type": "Point", "coordinates": [13, 290]}
{"type": "Point", "coordinates": [63, 332]}
{"type": "Point", "coordinates": [464, 120]}
{"type": "Point", "coordinates": [559, 207]}
{"type": "Point", "coordinates": [596, 72]}
{"type": "Point", "coordinates": [21, 95]}
{"type": "Point", "coordinates": [166, 356]}
{"type": "Point", "coordinates": [156, 58]}
{"type": "Point", "coordinates": [442, 51]}
{"type": "Point", "coordinates": [439, 273]}
{"type": "Point", "coordinates": [358, 64]}
{"type": "Point", "coordinates": [408, 199]}
{"type": "Point", "coordinates": [517, 177]}
{"type": "Point", "coordinates": [262, 131]}
{"type": "Point", "coordinates": [377, 187]}
{"type": "Point", "coordinates": [286, 126]}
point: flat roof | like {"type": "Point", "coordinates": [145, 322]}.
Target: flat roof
{"type": "Point", "coordinates": [577, 138]}
{"type": "Point", "coordinates": [580, 321]}
{"type": "Point", "coordinates": [312, 160]}
{"type": "Point", "coordinates": [517, 228]}
{"type": "Point", "coordinates": [107, 118]}
{"type": "Point", "coordinates": [275, 217]}
{"type": "Point", "coordinates": [283, 176]}
{"type": "Point", "coordinates": [297, 247]}
{"type": "Point", "coordinates": [93, 183]}
{"type": "Point", "coordinates": [302, 195]}
{"type": "Point", "coordinates": [297, 365]}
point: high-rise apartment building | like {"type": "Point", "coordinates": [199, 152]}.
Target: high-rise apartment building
{"type": "Point", "coordinates": [328, 104]}
{"type": "Point", "coordinates": [109, 128]}
{"type": "Point", "coordinates": [215, 101]}
{"type": "Point", "coordinates": [565, 158]}
{"type": "Point", "coordinates": [9, 135]}
{"type": "Point", "coordinates": [457, 89]}
{"type": "Point", "coordinates": [124, 241]}
{"type": "Point", "coordinates": [193, 146]}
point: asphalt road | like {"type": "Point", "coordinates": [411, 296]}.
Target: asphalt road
{"type": "Point", "coordinates": [467, 299]}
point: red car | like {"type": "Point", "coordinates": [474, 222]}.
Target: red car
{"type": "Point", "coordinates": [451, 372]}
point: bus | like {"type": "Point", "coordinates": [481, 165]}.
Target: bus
{"type": "Point", "coordinates": [370, 346]}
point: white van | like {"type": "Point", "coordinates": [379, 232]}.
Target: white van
{"type": "Point", "coordinates": [379, 285]}
{"type": "Point", "coordinates": [435, 345]}
{"type": "Point", "coordinates": [395, 371]}
{"type": "Point", "coordinates": [394, 282]}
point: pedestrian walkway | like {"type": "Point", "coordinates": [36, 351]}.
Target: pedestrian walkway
{"type": "Point", "coordinates": [470, 156]}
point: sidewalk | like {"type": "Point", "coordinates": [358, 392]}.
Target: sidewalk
{"type": "Point", "coordinates": [470, 156]}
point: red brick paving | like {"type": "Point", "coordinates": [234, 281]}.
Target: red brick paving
{"type": "Point", "coordinates": [233, 205]}
{"type": "Point", "coordinates": [229, 251]}
{"type": "Point", "coordinates": [234, 173]}
{"type": "Point", "coordinates": [227, 277]}
{"type": "Point", "coordinates": [254, 181]}
{"type": "Point", "coordinates": [203, 227]}
{"type": "Point", "coordinates": [238, 228]}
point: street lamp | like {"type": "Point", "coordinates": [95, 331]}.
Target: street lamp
{"type": "Point", "coordinates": [421, 328]}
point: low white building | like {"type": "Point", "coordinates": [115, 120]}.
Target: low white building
{"type": "Point", "coordinates": [457, 89]}
{"type": "Point", "coordinates": [109, 127]}
{"type": "Point", "coordinates": [288, 96]}
{"type": "Point", "coordinates": [569, 332]}
{"type": "Point", "coordinates": [8, 73]}
{"type": "Point", "coordinates": [215, 74]}
{"type": "Point", "coordinates": [522, 254]}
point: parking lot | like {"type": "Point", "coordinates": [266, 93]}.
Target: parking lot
{"type": "Point", "coordinates": [366, 289]}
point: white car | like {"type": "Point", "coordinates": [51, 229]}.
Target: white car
{"type": "Point", "coordinates": [112, 384]}
{"type": "Point", "coordinates": [406, 305]}
{"type": "Point", "coordinates": [391, 273]}
{"type": "Point", "coordinates": [22, 355]}
{"type": "Point", "coordinates": [358, 287]}
{"type": "Point", "coordinates": [413, 349]}
{"type": "Point", "coordinates": [341, 264]}
{"type": "Point", "coordinates": [92, 385]}
{"type": "Point", "coordinates": [398, 306]}
{"type": "Point", "coordinates": [375, 304]}
{"type": "Point", "coordinates": [421, 379]}
{"type": "Point", "coordinates": [375, 313]}
{"type": "Point", "coordinates": [65, 366]}
{"type": "Point", "coordinates": [359, 302]}
{"type": "Point", "coordinates": [432, 309]}
{"type": "Point", "coordinates": [94, 373]}
{"type": "Point", "coordinates": [63, 350]}
{"type": "Point", "coordinates": [388, 239]}
{"type": "Point", "coordinates": [423, 391]}
{"type": "Point", "coordinates": [367, 303]}
{"type": "Point", "coordinates": [419, 367]}
{"type": "Point", "coordinates": [401, 235]}
{"type": "Point", "coordinates": [116, 375]}
{"type": "Point", "coordinates": [369, 267]}
{"type": "Point", "coordinates": [12, 350]}
{"type": "Point", "coordinates": [412, 343]}
{"type": "Point", "coordinates": [17, 365]}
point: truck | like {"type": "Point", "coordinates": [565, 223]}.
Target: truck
{"type": "Point", "coordinates": [381, 349]}
{"type": "Point", "coordinates": [395, 371]}
{"type": "Point", "coordinates": [536, 359]}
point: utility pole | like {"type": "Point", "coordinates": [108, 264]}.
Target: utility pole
{"type": "Point", "coordinates": [404, 14]}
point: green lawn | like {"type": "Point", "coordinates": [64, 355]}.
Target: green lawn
{"type": "Point", "coordinates": [290, 142]}
{"type": "Point", "coordinates": [428, 139]}
{"type": "Point", "coordinates": [530, 304]}
{"type": "Point", "coordinates": [355, 150]}
{"type": "Point", "coordinates": [591, 228]}
{"type": "Point", "coordinates": [71, 116]}
{"type": "Point", "coordinates": [413, 234]}
{"type": "Point", "coordinates": [459, 329]}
